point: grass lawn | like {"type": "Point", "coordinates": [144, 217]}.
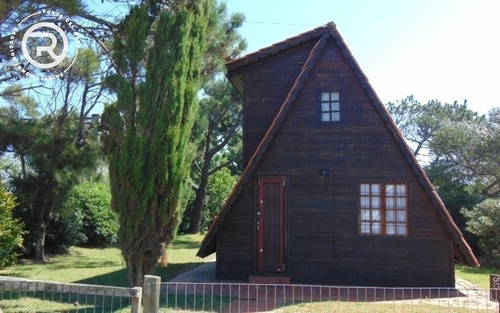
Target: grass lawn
{"type": "Point", "coordinates": [105, 266]}
{"type": "Point", "coordinates": [479, 276]}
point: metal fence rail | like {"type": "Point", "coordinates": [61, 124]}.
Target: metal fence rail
{"type": "Point", "coordinates": [215, 297]}
{"type": "Point", "coordinates": [22, 295]}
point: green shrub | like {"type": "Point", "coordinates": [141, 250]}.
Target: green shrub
{"type": "Point", "coordinates": [219, 187]}
{"type": "Point", "coordinates": [89, 203]}
{"type": "Point", "coordinates": [11, 230]}
{"type": "Point", "coordinates": [484, 221]}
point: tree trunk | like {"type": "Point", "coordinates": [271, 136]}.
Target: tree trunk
{"type": "Point", "coordinates": [44, 217]}
{"type": "Point", "coordinates": [140, 263]}
{"type": "Point", "coordinates": [40, 242]}
{"type": "Point", "coordinates": [200, 198]}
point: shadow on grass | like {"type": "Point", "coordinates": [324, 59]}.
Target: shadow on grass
{"type": "Point", "coordinates": [119, 278]}
{"type": "Point", "coordinates": [85, 264]}
{"type": "Point", "coordinates": [174, 269]}
{"type": "Point", "coordinates": [187, 243]}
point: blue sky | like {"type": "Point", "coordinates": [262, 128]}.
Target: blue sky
{"type": "Point", "coordinates": [434, 49]}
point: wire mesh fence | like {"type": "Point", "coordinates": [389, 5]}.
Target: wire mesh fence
{"type": "Point", "coordinates": [215, 297]}
{"type": "Point", "coordinates": [20, 295]}
{"type": "Point", "coordinates": [39, 296]}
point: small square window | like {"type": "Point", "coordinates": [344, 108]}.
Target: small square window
{"type": "Point", "coordinates": [330, 106]}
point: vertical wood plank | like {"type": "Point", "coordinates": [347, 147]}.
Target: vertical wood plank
{"type": "Point", "coordinates": [151, 294]}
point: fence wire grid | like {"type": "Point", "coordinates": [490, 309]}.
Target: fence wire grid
{"type": "Point", "coordinates": [221, 297]}
{"type": "Point", "coordinates": [39, 296]}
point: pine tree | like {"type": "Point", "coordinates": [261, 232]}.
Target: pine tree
{"type": "Point", "coordinates": [147, 130]}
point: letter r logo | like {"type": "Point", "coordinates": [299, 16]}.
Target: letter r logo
{"type": "Point", "coordinates": [48, 49]}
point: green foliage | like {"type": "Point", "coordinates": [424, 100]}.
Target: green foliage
{"type": "Point", "coordinates": [224, 41]}
{"type": "Point", "coordinates": [51, 163]}
{"type": "Point", "coordinates": [463, 161]}
{"type": "Point", "coordinates": [11, 230]}
{"type": "Point", "coordinates": [89, 204]}
{"type": "Point", "coordinates": [218, 133]}
{"type": "Point", "coordinates": [84, 66]}
{"type": "Point", "coordinates": [472, 150]}
{"type": "Point", "coordinates": [484, 221]}
{"type": "Point", "coordinates": [64, 232]}
{"type": "Point", "coordinates": [419, 122]}
{"type": "Point", "coordinates": [147, 130]}
{"type": "Point", "coordinates": [220, 186]}
{"type": "Point", "coordinates": [457, 195]}
{"type": "Point", "coordinates": [219, 125]}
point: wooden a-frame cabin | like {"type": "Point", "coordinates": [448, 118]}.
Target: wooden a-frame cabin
{"type": "Point", "coordinates": [331, 193]}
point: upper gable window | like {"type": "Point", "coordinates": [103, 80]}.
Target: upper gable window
{"type": "Point", "coordinates": [330, 107]}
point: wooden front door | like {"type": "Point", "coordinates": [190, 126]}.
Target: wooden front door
{"type": "Point", "coordinates": [270, 225]}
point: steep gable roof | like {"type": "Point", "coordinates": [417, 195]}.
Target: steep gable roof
{"type": "Point", "coordinates": [463, 253]}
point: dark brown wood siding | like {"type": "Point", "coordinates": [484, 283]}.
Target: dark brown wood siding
{"type": "Point", "coordinates": [266, 87]}
{"type": "Point", "coordinates": [323, 241]}
{"type": "Point", "coordinates": [236, 240]}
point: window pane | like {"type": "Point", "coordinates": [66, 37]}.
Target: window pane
{"type": "Point", "coordinates": [389, 203]}
{"type": "Point", "coordinates": [401, 190]}
{"type": "Point", "coordinates": [401, 203]}
{"type": "Point", "coordinates": [390, 216]}
{"type": "Point", "coordinates": [325, 96]}
{"type": "Point", "coordinates": [389, 190]}
{"type": "Point", "coordinates": [325, 106]}
{"type": "Point", "coordinates": [375, 189]}
{"type": "Point", "coordinates": [376, 229]}
{"type": "Point", "coordinates": [365, 215]}
{"type": "Point", "coordinates": [375, 202]}
{"type": "Point", "coordinates": [401, 229]}
{"type": "Point", "coordinates": [401, 216]}
{"type": "Point", "coordinates": [376, 215]}
{"type": "Point", "coordinates": [391, 229]}
{"type": "Point", "coordinates": [334, 96]}
{"type": "Point", "coordinates": [365, 228]}
{"type": "Point", "coordinates": [335, 106]}
{"type": "Point", "coordinates": [365, 202]}
{"type": "Point", "coordinates": [336, 116]}
{"type": "Point", "coordinates": [325, 117]}
{"type": "Point", "coordinates": [365, 189]}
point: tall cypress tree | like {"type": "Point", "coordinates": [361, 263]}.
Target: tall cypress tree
{"type": "Point", "coordinates": [147, 130]}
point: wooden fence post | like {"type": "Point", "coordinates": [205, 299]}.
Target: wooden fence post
{"type": "Point", "coordinates": [151, 294]}
{"type": "Point", "coordinates": [136, 300]}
